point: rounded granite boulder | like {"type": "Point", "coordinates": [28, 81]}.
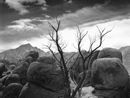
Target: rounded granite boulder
{"type": "Point", "coordinates": [46, 75]}
{"type": "Point", "coordinates": [12, 78]}
{"type": "Point", "coordinates": [12, 90]}
{"type": "Point", "coordinates": [109, 77]}
{"type": "Point", "coordinates": [110, 53]}
{"type": "Point", "coordinates": [31, 90]}
{"type": "Point", "coordinates": [2, 69]}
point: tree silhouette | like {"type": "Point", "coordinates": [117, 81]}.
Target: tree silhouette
{"type": "Point", "coordinates": [55, 38]}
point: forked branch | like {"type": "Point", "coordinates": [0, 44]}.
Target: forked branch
{"type": "Point", "coordinates": [87, 58]}
{"type": "Point", "coordinates": [55, 39]}
{"type": "Point", "coordinates": [54, 35]}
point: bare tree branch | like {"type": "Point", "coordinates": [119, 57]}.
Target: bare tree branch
{"type": "Point", "coordinates": [54, 35]}
{"type": "Point", "coordinates": [60, 50]}
{"type": "Point", "coordinates": [91, 44]}
{"type": "Point", "coordinates": [80, 39]}
{"type": "Point", "coordinates": [68, 60]}
{"type": "Point", "coordinates": [52, 52]}
{"type": "Point", "coordinates": [88, 57]}
{"type": "Point", "coordinates": [101, 36]}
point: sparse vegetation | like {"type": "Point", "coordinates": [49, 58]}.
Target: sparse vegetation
{"type": "Point", "coordinates": [55, 38]}
{"type": "Point", "coordinates": [60, 75]}
{"type": "Point", "coordinates": [29, 72]}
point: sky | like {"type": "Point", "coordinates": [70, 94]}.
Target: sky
{"type": "Point", "coordinates": [21, 24]}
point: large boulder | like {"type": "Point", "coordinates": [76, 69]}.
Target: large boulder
{"type": "Point", "coordinates": [87, 92]}
{"type": "Point", "coordinates": [110, 53]}
{"type": "Point", "coordinates": [77, 67]}
{"type": "Point", "coordinates": [21, 70]}
{"type": "Point", "coordinates": [33, 54]}
{"type": "Point", "coordinates": [12, 67]}
{"type": "Point", "coordinates": [2, 69]}
{"type": "Point", "coordinates": [28, 59]}
{"type": "Point", "coordinates": [128, 88]}
{"type": "Point", "coordinates": [12, 90]}
{"type": "Point", "coordinates": [2, 80]}
{"type": "Point", "coordinates": [109, 77]}
{"type": "Point", "coordinates": [11, 78]}
{"type": "Point", "coordinates": [8, 79]}
{"type": "Point", "coordinates": [48, 76]}
{"type": "Point", "coordinates": [46, 59]}
{"type": "Point", "coordinates": [31, 90]}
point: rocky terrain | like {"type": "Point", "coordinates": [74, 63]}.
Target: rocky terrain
{"type": "Point", "coordinates": [39, 72]}
{"type": "Point", "coordinates": [14, 54]}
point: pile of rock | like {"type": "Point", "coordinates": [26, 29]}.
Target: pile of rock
{"type": "Point", "coordinates": [45, 80]}
{"type": "Point", "coordinates": [41, 77]}
{"type": "Point", "coordinates": [34, 77]}
{"type": "Point", "coordinates": [109, 76]}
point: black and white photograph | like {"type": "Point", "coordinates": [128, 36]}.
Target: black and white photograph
{"type": "Point", "coordinates": [64, 48]}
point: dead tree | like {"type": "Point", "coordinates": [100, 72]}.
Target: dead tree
{"type": "Point", "coordinates": [54, 37]}
{"type": "Point", "coordinates": [87, 58]}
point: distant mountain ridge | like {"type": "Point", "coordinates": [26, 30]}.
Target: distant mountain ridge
{"type": "Point", "coordinates": [14, 54]}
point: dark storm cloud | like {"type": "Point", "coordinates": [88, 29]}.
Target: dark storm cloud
{"type": "Point", "coordinates": [24, 29]}
{"type": "Point", "coordinates": [18, 6]}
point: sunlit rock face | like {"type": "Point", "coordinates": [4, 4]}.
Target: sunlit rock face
{"type": "Point", "coordinates": [86, 92]}
{"type": "Point", "coordinates": [126, 57]}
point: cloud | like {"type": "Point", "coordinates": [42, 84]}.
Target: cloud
{"type": "Point", "coordinates": [34, 30]}
{"type": "Point", "coordinates": [24, 29]}
{"type": "Point", "coordinates": [119, 36]}
{"type": "Point", "coordinates": [29, 24]}
{"type": "Point", "coordinates": [15, 4]}
{"type": "Point", "coordinates": [18, 6]}
{"type": "Point", "coordinates": [23, 24]}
